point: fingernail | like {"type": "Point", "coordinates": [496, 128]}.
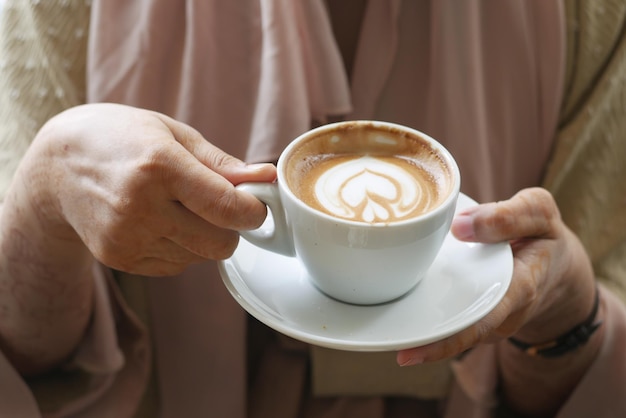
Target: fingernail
{"type": "Point", "coordinates": [463, 227]}
{"type": "Point", "coordinates": [262, 171]}
{"type": "Point", "coordinates": [405, 359]}
{"type": "Point", "coordinates": [259, 166]}
{"type": "Point", "coordinates": [412, 361]}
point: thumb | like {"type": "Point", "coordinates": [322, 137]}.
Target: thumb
{"type": "Point", "coordinates": [531, 213]}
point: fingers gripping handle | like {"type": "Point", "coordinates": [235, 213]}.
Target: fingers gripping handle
{"type": "Point", "coordinates": [276, 238]}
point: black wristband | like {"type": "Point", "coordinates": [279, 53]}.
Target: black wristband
{"type": "Point", "coordinates": [567, 342]}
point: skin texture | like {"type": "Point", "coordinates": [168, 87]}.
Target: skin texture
{"type": "Point", "coordinates": [143, 194]}
{"type": "Point", "coordinates": [552, 291]}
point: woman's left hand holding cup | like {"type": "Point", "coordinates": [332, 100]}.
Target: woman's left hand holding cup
{"type": "Point", "coordinates": [133, 189]}
{"type": "Point", "coordinates": [145, 193]}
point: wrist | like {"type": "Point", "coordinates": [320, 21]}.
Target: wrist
{"type": "Point", "coordinates": [567, 342]}
{"type": "Point", "coordinates": [567, 299]}
{"type": "Point", "coordinates": [46, 275]}
{"type": "Point", "coordinates": [32, 210]}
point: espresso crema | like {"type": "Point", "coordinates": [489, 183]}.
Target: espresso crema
{"type": "Point", "coordinates": [372, 189]}
{"type": "Point", "coordinates": [366, 173]}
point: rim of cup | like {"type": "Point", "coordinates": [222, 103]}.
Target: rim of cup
{"type": "Point", "coordinates": [441, 150]}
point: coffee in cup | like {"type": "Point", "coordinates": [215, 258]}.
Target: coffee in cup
{"type": "Point", "coordinates": [360, 174]}
{"type": "Point", "coordinates": [365, 206]}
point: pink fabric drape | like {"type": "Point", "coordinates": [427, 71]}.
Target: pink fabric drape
{"type": "Point", "coordinates": [249, 75]}
{"type": "Point", "coordinates": [483, 77]}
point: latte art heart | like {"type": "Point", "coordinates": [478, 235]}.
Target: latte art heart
{"type": "Point", "coordinates": [371, 189]}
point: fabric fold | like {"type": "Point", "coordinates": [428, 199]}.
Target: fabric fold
{"type": "Point", "coordinates": [375, 55]}
{"type": "Point", "coordinates": [100, 352]}
{"type": "Point", "coordinates": [288, 73]}
{"type": "Point", "coordinates": [301, 76]}
{"type": "Point", "coordinates": [16, 398]}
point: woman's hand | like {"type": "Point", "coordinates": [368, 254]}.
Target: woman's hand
{"type": "Point", "coordinates": [552, 291]}
{"type": "Point", "coordinates": [552, 288]}
{"type": "Point", "coordinates": [135, 189]}
{"type": "Point", "coordinates": [145, 193]}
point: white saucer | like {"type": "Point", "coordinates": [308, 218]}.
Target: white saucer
{"type": "Point", "coordinates": [466, 281]}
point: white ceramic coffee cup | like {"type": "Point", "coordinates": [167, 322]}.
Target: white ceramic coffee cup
{"type": "Point", "coordinates": [352, 261]}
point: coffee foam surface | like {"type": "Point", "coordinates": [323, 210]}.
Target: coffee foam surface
{"type": "Point", "coordinates": [368, 174]}
{"type": "Point", "coordinates": [371, 189]}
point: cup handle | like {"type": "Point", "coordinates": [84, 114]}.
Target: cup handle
{"type": "Point", "coordinates": [278, 238]}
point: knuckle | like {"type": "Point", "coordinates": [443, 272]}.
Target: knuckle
{"type": "Point", "coordinates": [225, 206]}
{"type": "Point", "coordinates": [541, 203]}
{"type": "Point", "coordinates": [503, 220]}
{"type": "Point", "coordinates": [157, 158]}
{"type": "Point", "coordinates": [186, 133]}
{"type": "Point", "coordinates": [540, 212]}
{"type": "Point", "coordinates": [234, 210]}
{"type": "Point", "coordinates": [218, 159]}
{"type": "Point", "coordinates": [549, 207]}
{"type": "Point", "coordinates": [122, 206]}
